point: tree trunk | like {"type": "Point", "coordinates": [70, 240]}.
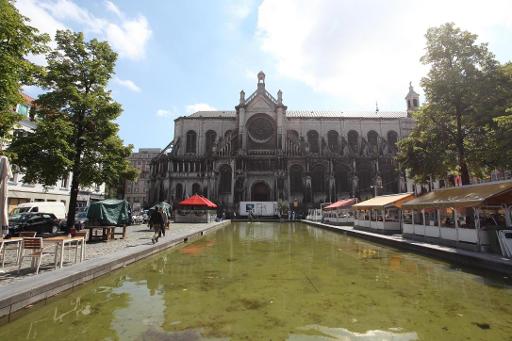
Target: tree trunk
{"type": "Point", "coordinates": [72, 201]}
{"type": "Point", "coordinates": [77, 164]}
{"type": "Point", "coordinates": [461, 152]}
{"type": "Point", "coordinates": [75, 184]}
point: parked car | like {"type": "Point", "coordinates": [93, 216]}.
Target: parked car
{"type": "Point", "coordinates": [145, 216]}
{"type": "Point", "coordinates": [57, 208]}
{"type": "Point", "coordinates": [81, 220]}
{"type": "Point", "coordinates": [137, 219]}
{"type": "Point", "coordinates": [39, 222]}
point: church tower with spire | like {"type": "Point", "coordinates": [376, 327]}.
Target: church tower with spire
{"type": "Point", "coordinates": [413, 100]}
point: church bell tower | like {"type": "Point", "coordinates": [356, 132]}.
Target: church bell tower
{"type": "Point", "coordinates": [413, 100]}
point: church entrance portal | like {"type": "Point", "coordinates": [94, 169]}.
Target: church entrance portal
{"type": "Point", "coordinates": [260, 192]}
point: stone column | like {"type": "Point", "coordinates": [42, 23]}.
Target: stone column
{"type": "Point", "coordinates": [241, 129]}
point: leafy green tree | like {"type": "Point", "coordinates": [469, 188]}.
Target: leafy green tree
{"type": "Point", "coordinates": [427, 152]}
{"type": "Point", "coordinates": [497, 151]}
{"type": "Point", "coordinates": [17, 40]}
{"type": "Point", "coordinates": [76, 131]}
{"type": "Point", "coordinates": [463, 94]}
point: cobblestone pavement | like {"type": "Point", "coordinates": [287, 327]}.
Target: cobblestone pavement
{"type": "Point", "coordinates": [136, 235]}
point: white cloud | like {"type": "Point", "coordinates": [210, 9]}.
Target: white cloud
{"type": "Point", "coordinates": [39, 17]}
{"type": "Point", "coordinates": [167, 113]}
{"type": "Point", "coordinates": [127, 84]}
{"type": "Point", "coordinates": [67, 10]}
{"type": "Point", "coordinates": [113, 8]}
{"type": "Point", "coordinates": [192, 108]}
{"type": "Point", "coordinates": [365, 50]}
{"type": "Point", "coordinates": [240, 9]}
{"type": "Point", "coordinates": [130, 37]}
{"type": "Point", "coordinates": [127, 36]}
{"type": "Point", "coordinates": [237, 11]}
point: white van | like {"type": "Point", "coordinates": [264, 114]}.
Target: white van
{"type": "Point", "coordinates": [56, 207]}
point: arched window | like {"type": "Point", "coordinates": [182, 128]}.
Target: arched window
{"type": "Point", "coordinates": [296, 176]}
{"type": "Point", "coordinates": [372, 137]}
{"type": "Point", "coordinates": [314, 146]}
{"type": "Point", "coordinates": [353, 142]}
{"type": "Point", "coordinates": [211, 136]}
{"type": "Point", "coordinates": [392, 140]}
{"type": "Point", "coordinates": [227, 135]}
{"type": "Point", "coordinates": [191, 142]}
{"type": "Point", "coordinates": [333, 140]}
{"type": "Point", "coordinates": [196, 188]}
{"type": "Point", "coordinates": [225, 179]}
{"type": "Point", "coordinates": [293, 135]}
{"type": "Point", "coordinates": [179, 192]}
{"type": "Point", "coordinates": [318, 177]}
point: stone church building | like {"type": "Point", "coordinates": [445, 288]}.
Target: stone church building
{"type": "Point", "coordinates": [261, 151]}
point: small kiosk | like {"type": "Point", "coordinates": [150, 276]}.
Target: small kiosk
{"type": "Point", "coordinates": [340, 212]}
{"type": "Point", "coordinates": [382, 213]}
{"type": "Point", "coordinates": [466, 217]}
{"type": "Point", "coordinates": [196, 209]}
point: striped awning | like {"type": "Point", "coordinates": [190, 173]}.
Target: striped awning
{"type": "Point", "coordinates": [344, 203]}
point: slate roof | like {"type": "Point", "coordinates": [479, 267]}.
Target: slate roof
{"type": "Point", "coordinates": [310, 114]}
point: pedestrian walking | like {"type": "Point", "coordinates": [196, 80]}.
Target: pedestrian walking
{"type": "Point", "coordinates": [156, 221]}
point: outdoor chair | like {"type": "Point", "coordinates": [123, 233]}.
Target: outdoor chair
{"type": "Point", "coordinates": [84, 234]}
{"type": "Point", "coordinates": [15, 247]}
{"type": "Point", "coordinates": [6, 247]}
{"type": "Point", "coordinates": [36, 252]}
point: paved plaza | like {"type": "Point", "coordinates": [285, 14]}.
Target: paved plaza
{"type": "Point", "coordinates": [137, 235]}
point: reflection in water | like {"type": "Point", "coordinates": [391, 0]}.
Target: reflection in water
{"type": "Point", "coordinates": [144, 310]}
{"type": "Point", "coordinates": [268, 281]}
{"type": "Point", "coordinates": [196, 248]}
{"type": "Point", "coordinates": [256, 231]}
{"type": "Point", "coordinates": [324, 333]}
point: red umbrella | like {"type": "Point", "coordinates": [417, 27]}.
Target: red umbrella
{"type": "Point", "coordinates": [199, 201]}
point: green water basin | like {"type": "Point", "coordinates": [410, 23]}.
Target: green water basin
{"type": "Point", "coordinates": [271, 281]}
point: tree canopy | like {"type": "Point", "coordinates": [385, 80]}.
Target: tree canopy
{"type": "Point", "coordinates": [17, 41]}
{"type": "Point", "coordinates": [466, 91]}
{"type": "Point", "coordinates": [76, 129]}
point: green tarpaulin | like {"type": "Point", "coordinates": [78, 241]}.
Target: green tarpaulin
{"type": "Point", "coordinates": [109, 212]}
{"type": "Point", "coordinates": [165, 207]}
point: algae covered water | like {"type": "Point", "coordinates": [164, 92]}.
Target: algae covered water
{"type": "Point", "coordinates": [265, 281]}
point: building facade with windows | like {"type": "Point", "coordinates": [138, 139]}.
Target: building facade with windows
{"type": "Point", "coordinates": [136, 192]}
{"type": "Point", "coordinates": [261, 151]}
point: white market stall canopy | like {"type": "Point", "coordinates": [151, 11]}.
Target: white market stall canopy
{"type": "Point", "coordinates": [496, 193]}
{"type": "Point", "coordinates": [384, 201]}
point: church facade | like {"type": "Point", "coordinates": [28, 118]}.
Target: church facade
{"type": "Point", "coordinates": [263, 152]}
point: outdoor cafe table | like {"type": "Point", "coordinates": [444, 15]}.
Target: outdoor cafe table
{"type": "Point", "coordinates": [60, 243]}
{"type": "Point", "coordinates": [13, 240]}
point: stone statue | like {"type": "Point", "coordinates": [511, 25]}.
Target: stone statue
{"type": "Point", "coordinates": [323, 145]}
{"type": "Point", "coordinates": [383, 146]}
{"type": "Point", "coordinates": [403, 182]}
{"type": "Point", "coordinates": [364, 147]}
{"type": "Point", "coordinates": [307, 189]}
{"type": "Point", "coordinates": [344, 147]}
{"type": "Point", "coordinates": [355, 185]}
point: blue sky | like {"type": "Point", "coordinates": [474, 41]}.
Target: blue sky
{"type": "Point", "coordinates": [176, 57]}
